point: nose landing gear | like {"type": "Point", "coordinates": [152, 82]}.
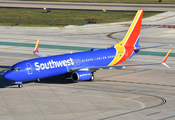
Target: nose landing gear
{"type": "Point", "coordinates": [92, 78]}
{"type": "Point", "coordinates": [20, 86]}
{"type": "Point", "coordinates": [18, 83]}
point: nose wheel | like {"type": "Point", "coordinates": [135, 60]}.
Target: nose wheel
{"type": "Point", "coordinates": [92, 78]}
{"type": "Point", "coordinates": [20, 86]}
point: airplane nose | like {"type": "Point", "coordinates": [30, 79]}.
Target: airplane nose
{"type": "Point", "coordinates": [8, 76]}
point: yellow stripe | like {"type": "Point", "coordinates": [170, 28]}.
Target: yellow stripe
{"type": "Point", "coordinates": [131, 27]}
{"type": "Point", "coordinates": [62, 28]}
{"type": "Point", "coordinates": [120, 46]}
{"type": "Point", "coordinates": [30, 41]}
{"type": "Point", "coordinates": [10, 47]}
{"type": "Point", "coordinates": [120, 52]}
{"type": "Point", "coordinates": [167, 54]}
{"type": "Point", "coordinates": [37, 44]}
{"type": "Point", "coordinates": [8, 27]}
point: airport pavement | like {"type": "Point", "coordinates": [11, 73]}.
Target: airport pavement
{"type": "Point", "coordinates": [133, 93]}
{"type": "Point", "coordinates": [87, 6]}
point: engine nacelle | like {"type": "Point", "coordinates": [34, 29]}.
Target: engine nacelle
{"type": "Point", "coordinates": [81, 75]}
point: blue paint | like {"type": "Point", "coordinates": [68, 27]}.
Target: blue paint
{"type": "Point", "coordinates": [44, 67]}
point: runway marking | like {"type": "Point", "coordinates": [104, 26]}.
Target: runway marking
{"type": "Point", "coordinates": [133, 97]}
{"type": "Point", "coordinates": [8, 27]}
{"type": "Point", "coordinates": [30, 41]}
{"type": "Point", "coordinates": [142, 104]}
{"type": "Point", "coordinates": [134, 91]}
{"type": "Point", "coordinates": [10, 48]}
{"type": "Point", "coordinates": [147, 69]}
{"type": "Point", "coordinates": [62, 28]}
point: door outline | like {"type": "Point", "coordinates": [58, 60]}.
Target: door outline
{"type": "Point", "coordinates": [29, 68]}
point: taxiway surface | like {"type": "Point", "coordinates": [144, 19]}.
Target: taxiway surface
{"type": "Point", "coordinates": [87, 6]}
{"type": "Point", "coordinates": [134, 93]}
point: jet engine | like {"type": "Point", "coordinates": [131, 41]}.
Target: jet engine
{"type": "Point", "coordinates": [82, 75]}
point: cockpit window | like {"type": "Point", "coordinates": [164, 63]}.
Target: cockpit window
{"type": "Point", "coordinates": [15, 69]}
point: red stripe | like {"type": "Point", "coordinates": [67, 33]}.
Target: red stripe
{"type": "Point", "coordinates": [135, 33]}
{"type": "Point", "coordinates": [128, 53]}
{"type": "Point", "coordinates": [36, 48]}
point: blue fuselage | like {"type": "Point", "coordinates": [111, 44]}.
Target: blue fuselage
{"type": "Point", "coordinates": [58, 65]}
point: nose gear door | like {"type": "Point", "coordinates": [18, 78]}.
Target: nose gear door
{"type": "Point", "coordinates": [29, 68]}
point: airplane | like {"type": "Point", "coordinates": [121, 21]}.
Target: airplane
{"type": "Point", "coordinates": [81, 66]}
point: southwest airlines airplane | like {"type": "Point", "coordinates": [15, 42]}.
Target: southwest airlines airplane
{"type": "Point", "coordinates": [81, 65]}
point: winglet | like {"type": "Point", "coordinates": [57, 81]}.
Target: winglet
{"type": "Point", "coordinates": [36, 46]}
{"type": "Point", "coordinates": [166, 57]}
{"type": "Point", "coordinates": [36, 50]}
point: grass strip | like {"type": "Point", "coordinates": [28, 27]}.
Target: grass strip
{"type": "Point", "coordinates": [60, 18]}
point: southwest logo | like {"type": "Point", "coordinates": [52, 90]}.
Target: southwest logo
{"type": "Point", "coordinates": [53, 64]}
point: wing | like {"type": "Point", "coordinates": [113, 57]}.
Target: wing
{"type": "Point", "coordinates": [151, 47]}
{"type": "Point", "coordinates": [94, 68]}
{"type": "Point", "coordinates": [36, 50]}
